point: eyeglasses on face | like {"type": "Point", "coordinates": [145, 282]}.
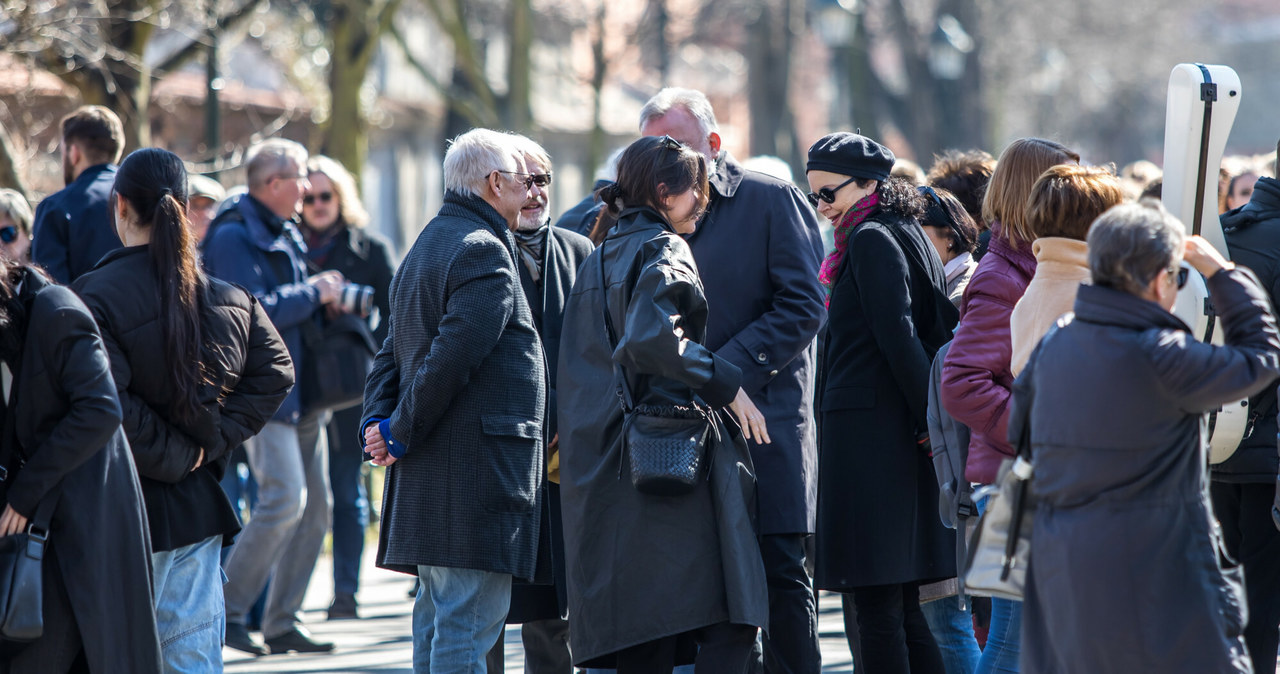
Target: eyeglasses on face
{"type": "Point", "coordinates": [531, 179]}
{"type": "Point", "coordinates": [288, 176]}
{"type": "Point", "coordinates": [827, 194]}
{"type": "Point", "coordinates": [1180, 275]}
{"type": "Point", "coordinates": [8, 233]}
{"type": "Point", "coordinates": [322, 197]}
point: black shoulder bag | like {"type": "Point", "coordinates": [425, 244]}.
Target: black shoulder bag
{"type": "Point", "coordinates": [22, 554]}
{"type": "Point", "coordinates": [665, 445]}
{"type": "Point", "coordinates": [337, 358]}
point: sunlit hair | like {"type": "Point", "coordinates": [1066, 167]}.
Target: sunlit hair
{"type": "Point", "coordinates": [1066, 199]}
{"type": "Point", "coordinates": [1131, 243]}
{"type": "Point", "coordinates": [692, 100]}
{"type": "Point", "coordinates": [271, 158]}
{"type": "Point", "coordinates": [966, 175]}
{"type": "Point", "coordinates": [350, 210]}
{"type": "Point", "coordinates": [14, 206]}
{"type": "Point", "coordinates": [473, 156]}
{"type": "Point", "coordinates": [98, 132]}
{"type": "Point", "coordinates": [651, 169]}
{"type": "Point", "coordinates": [154, 183]}
{"type": "Point", "coordinates": [1019, 167]}
{"type": "Point", "coordinates": [532, 151]}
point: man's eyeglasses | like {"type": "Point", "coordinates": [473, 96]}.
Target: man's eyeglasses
{"type": "Point", "coordinates": [322, 197]}
{"type": "Point", "coordinates": [1180, 274]}
{"type": "Point", "coordinates": [827, 194]}
{"type": "Point", "coordinates": [531, 179]}
{"type": "Point", "coordinates": [288, 176]}
{"type": "Point", "coordinates": [8, 234]}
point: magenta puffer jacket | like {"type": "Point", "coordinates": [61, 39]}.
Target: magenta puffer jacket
{"type": "Point", "coordinates": [975, 375]}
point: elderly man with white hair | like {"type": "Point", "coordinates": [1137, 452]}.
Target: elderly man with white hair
{"type": "Point", "coordinates": [455, 406]}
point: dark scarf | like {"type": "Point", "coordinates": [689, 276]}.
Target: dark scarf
{"type": "Point", "coordinates": [530, 245]}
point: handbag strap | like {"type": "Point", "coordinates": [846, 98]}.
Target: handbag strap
{"type": "Point", "coordinates": [625, 396]}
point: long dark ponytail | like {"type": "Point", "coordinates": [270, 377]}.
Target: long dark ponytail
{"type": "Point", "coordinates": [154, 181]}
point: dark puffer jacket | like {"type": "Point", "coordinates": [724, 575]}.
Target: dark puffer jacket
{"type": "Point", "coordinates": [1253, 239]}
{"type": "Point", "coordinates": [252, 376]}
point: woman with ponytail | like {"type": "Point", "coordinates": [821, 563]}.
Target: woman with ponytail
{"type": "Point", "coordinates": [198, 369]}
{"type": "Point", "coordinates": [684, 570]}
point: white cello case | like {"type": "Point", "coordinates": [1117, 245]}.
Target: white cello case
{"type": "Point", "coordinates": [1184, 126]}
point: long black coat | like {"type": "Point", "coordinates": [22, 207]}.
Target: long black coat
{"type": "Point", "coordinates": [1253, 238]}
{"type": "Point", "coordinates": [250, 376]}
{"type": "Point", "coordinates": [644, 567]}
{"type": "Point", "coordinates": [878, 494]}
{"type": "Point", "coordinates": [758, 250]}
{"type": "Point", "coordinates": [1124, 570]}
{"type": "Point", "coordinates": [562, 254]}
{"type": "Point", "coordinates": [462, 380]}
{"type": "Point", "coordinates": [68, 426]}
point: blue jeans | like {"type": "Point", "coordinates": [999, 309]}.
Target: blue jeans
{"type": "Point", "coordinates": [189, 614]}
{"type": "Point", "coordinates": [350, 504]}
{"type": "Point", "coordinates": [1004, 640]}
{"type": "Point", "coordinates": [952, 628]}
{"type": "Point", "coordinates": [457, 618]}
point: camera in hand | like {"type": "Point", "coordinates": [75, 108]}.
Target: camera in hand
{"type": "Point", "coordinates": [356, 299]}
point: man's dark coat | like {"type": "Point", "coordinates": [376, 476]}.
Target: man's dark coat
{"type": "Point", "coordinates": [461, 377]}
{"type": "Point", "coordinates": [758, 250]}
{"type": "Point", "coordinates": [73, 227]}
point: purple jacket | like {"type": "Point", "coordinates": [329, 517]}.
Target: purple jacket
{"type": "Point", "coordinates": [976, 379]}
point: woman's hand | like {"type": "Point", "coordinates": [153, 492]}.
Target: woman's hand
{"type": "Point", "coordinates": [11, 522]}
{"type": "Point", "coordinates": [1206, 259]}
{"type": "Point", "coordinates": [199, 461]}
{"type": "Point", "coordinates": [750, 418]}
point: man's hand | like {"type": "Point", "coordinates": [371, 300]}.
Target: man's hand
{"type": "Point", "coordinates": [376, 447]}
{"type": "Point", "coordinates": [11, 522]}
{"type": "Point", "coordinates": [199, 460]}
{"type": "Point", "coordinates": [329, 283]}
{"type": "Point", "coordinates": [750, 418]}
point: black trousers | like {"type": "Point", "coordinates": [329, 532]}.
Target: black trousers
{"type": "Point", "coordinates": [1244, 510]}
{"type": "Point", "coordinates": [546, 648]}
{"type": "Point", "coordinates": [723, 648]}
{"type": "Point", "coordinates": [892, 633]}
{"type": "Point", "coordinates": [791, 644]}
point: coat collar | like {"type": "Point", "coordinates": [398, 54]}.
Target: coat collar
{"type": "Point", "coordinates": [726, 175]}
{"type": "Point", "coordinates": [1060, 257]}
{"type": "Point", "coordinates": [261, 235]}
{"type": "Point", "coordinates": [1021, 257]}
{"type": "Point", "coordinates": [1108, 306]}
{"type": "Point", "coordinates": [470, 207]}
{"type": "Point", "coordinates": [638, 218]}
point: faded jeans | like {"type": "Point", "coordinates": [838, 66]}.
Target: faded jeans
{"type": "Point", "coordinates": [188, 600]}
{"type": "Point", "coordinates": [283, 538]}
{"type": "Point", "coordinates": [1004, 641]}
{"type": "Point", "coordinates": [457, 618]}
{"type": "Point", "coordinates": [952, 628]}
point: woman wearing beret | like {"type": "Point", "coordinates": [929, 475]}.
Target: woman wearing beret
{"type": "Point", "coordinates": [879, 537]}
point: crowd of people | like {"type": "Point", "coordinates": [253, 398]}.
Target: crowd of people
{"type": "Point", "coordinates": [649, 432]}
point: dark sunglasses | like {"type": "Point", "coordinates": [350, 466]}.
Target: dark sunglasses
{"type": "Point", "coordinates": [323, 197]}
{"type": "Point", "coordinates": [1182, 274]}
{"type": "Point", "coordinates": [927, 191]}
{"type": "Point", "coordinates": [531, 179]}
{"type": "Point", "coordinates": [827, 194]}
{"type": "Point", "coordinates": [8, 234]}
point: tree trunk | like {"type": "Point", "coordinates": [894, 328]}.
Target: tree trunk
{"type": "Point", "coordinates": [595, 148]}
{"type": "Point", "coordinates": [518, 113]}
{"type": "Point", "coordinates": [10, 176]}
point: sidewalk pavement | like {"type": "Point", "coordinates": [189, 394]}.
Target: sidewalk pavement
{"type": "Point", "coordinates": [380, 641]}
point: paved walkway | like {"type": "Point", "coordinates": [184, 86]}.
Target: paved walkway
{"type": "Point", "coordinates": [380, 640]}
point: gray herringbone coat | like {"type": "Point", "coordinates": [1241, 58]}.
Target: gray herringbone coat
{"type": "Point", "coordinates": [461, 377]}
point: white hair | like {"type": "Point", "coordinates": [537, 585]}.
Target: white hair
{"type": "Point", "coordinates": [533, 150]}
{"type": "Point", "coordinates": [692, 100]}
{"type": "Point", "coordinates": [474, 155]}
{"type": "Point", "coordinates": [770, 166]}
{"type": "Point", "coordinates": [270, 158]}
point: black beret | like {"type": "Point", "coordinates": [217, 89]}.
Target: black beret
{"type": "Point", "coordinates": [852, 155]}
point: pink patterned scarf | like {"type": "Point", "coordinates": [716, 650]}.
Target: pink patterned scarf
{"type": "Point", "coordinates": [850, 221]}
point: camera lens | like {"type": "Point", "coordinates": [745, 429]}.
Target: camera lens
{"type": "Point", "coordinates": [357, 299]}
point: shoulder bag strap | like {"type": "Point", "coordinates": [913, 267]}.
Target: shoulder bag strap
{"type": "Point", "coordinates": [39, 523]}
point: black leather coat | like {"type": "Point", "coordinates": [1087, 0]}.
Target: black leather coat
{"type": "Point", "coordinates": [644, 567]}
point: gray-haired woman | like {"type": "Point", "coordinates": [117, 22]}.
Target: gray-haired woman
{"type": "Point", "coordinates": [1125, 571]}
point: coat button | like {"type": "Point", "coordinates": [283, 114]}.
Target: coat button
{"type": "Point", "coordinates": [773, 373]}
{"type": "Point", "coordinates": [762, 357]}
